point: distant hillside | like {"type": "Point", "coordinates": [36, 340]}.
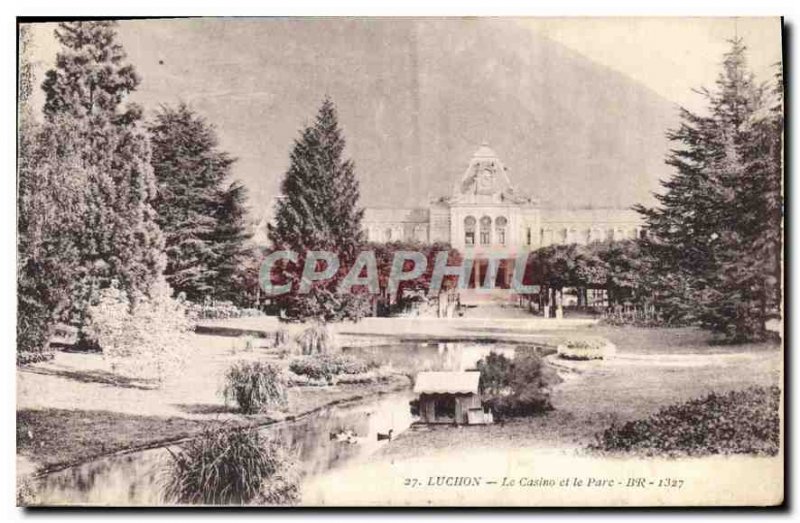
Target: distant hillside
{"type": "Point", "coordinates": [416, 97]}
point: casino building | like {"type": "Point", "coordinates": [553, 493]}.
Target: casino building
{"type": "Point", "coordinates": [485, 214]}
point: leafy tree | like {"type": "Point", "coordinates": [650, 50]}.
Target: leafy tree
{"type": "Point", "coordinates": [412, 289]}
{"type": "Point", "coordinates": [627, 271]}
{"type": "Point", "coordinates": [50, 200]}
{"type": "Point", "coordinates": [715, 235]}
{"type": "Point", "coordinates": [117, 237]}
{"type": "Point", "coordinates": [319, 211]}
{"type": "Point", "coordinates": [200, 211]}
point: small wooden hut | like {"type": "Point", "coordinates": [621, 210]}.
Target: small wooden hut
{"type": "Point", "coordinates": [450, 397]}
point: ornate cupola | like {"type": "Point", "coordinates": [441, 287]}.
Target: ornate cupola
{"type": "Point", "coordinates": [486, 180]}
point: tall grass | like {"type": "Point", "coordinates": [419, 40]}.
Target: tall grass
{"type": "Point", "coordinates": [226, 466]}
{"type": "Point", "coordinates": [317, 339]}
{"type": "Point", "coordinates": [255, 386]}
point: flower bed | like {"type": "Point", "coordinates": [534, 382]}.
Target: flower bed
{"type": "Point", "coordinates": [586, 349]}
{"type": "Point", "coordinates": [739, 422]}
{"type": "Point", "coordinates": [372, 376]}
{"type": "Point", "coordinates": [330, 369]}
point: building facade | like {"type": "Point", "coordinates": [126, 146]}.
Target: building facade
{"type": "Point", "coordinates": [486, 214]}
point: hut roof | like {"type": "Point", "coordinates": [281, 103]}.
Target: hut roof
{"type": "Point", "coordinates": [447, 382]}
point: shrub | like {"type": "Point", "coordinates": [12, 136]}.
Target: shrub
{"type": "Point", "coordinates": [221, 311]}
{"type": "Point", "coordinates": [739, 422]}
{"type": "Point", "coordinates": [26, 358]}
{"type": "Point", "coordinates": [528, 403]}
{"type": "Point", "coordinates": [26, 492]}
{"type": "Point", "coordinates": [34, 320]}
{"type": "Point", "coordinates": [495, 372]}
{"type": "Point", "coordinates": [281, 337]}
{"type": "Point", "coordinates": [518, 387]}
{"type": "Point", "coordinates": [147, 336]}
{"type": "Point", "coordinates": [255, 386]}
{"type": "Point", "coordinates": [227, 467]}
{"type": "Point", "coordinates": [326, 366]}
{"type": "Point", "coordinates": [317, 339]}
{"type": "Point", "coordinates": [586, 349]}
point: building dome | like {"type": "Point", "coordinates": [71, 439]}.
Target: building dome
{"type": "Point", "coordinates": [485, 152]}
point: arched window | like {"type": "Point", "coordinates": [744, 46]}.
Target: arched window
{"type": "Point", "coordinates": [500, 226]}
{"type": "Point", "coordinates": [486, 230]}
{"type": "Point", "coordinates": [469, 230]}
{"type": "Point", "coordinates": [387, 235]}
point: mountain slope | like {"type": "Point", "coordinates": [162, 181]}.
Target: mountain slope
{"type": "Point", "coordinates": [416, 97]}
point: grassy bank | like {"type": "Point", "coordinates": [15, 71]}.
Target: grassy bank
{"type": "Point", "coordinates": [73, 408]}
{"type": "Point", "coordinates": [55, 438]}
{"type": "Point", "coordinates": [654, 368]}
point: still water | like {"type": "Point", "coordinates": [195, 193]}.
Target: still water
{"type": "Point", "coordinates": [136, 478]}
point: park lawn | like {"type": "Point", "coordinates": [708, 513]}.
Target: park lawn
{"type": "Point", "coordinates": [73, 409]}
{"type": "Point", "coordinates": [654, 368]}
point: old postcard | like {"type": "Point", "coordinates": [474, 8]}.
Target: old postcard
{"type": "Point", "coordinates": [389, 262]}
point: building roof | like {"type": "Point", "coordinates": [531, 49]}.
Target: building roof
{"type": "Point", "coordinates": [447, 382]}
{"type": "Point", "coordinates": [397, 214]}
{"type": "Point", "coordinates": [598, 216]}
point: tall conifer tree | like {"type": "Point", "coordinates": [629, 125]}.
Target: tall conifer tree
{"type": "Point", "coordinates": [718, 208]}
{"type": "Point", "coordinates": [200, 210]}
{"type": "Point", "coordinates": [119, 237]}
{"type": "Point", "coordinates": [319, 210]}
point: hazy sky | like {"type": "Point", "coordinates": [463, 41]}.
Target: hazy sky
{"type": "Point", "coordinates": [671, 56]}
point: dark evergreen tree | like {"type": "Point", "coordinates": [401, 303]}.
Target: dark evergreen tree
{"type": "Point", "coordinates": [319, 210]}
{"type": "Point", "coordinates": [118, 238]}
{"type": "Point", "coordinates": [712, 238]}
{"type": "Point", "coordinates": [200, 211]}
{"type": "Point", "coordinates": [231, 239]}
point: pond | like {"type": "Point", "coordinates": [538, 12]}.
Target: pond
{"type": "Point", "coordinates": [136, 478]}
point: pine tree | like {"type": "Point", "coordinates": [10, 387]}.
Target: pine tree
{"type": "Point", "coordinates": [319, 211]}
{"type": "Point", "coordinates": [119, 239]}
{"type": "Point", "coordinates": [231, 238]}
{"type": "Point", "coordinates": [718, 206]}
{"type": "Point", "coordinates": [200, 211]}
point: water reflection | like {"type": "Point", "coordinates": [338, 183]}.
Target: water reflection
{"type": "Point", "coordinates": [135, 479]}
{"type": "Point", "coordinates": [443, 356]}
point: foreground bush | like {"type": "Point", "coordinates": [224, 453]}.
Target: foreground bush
{"type": "Point", "coordinates": [739, 422]}
{"type": "Point", "coordinates": [518, 387]}
{"type": "Point", "coordinates": [586, 349]}
{"type": "Point", "coordinates": [255, 386]}
{"type": "Point", "coordinates": [231, 467]}
{"type": "Point", "coordinates": [317, 339]}
{"type": "Point", "coordinates": [143, 336]}
{"type": "Point", "coordinates": [26, 357]}
{"type": "Point", "coordinates": [327, 366]}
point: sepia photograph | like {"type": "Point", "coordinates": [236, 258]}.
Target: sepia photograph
{"type": "Point", "coordinates": [400, 262]}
